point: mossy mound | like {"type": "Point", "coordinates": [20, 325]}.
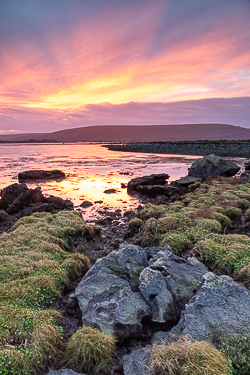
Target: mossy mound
{"type": "Point", "coordinates": [199, 222]}
{"type": "Point", "coordinates": [35, 266]}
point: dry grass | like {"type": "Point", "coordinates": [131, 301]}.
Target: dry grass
{"type": "Point", "coordinates": [90, 350]}
{"type": "Point", "coordinates": [187, 357]}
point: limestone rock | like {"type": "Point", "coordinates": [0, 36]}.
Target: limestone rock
{"type": "Point", "coordinates": [212, 166]}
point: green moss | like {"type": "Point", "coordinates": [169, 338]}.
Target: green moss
{"type": "Point", "coordinates": [236, 347]}
{"type": "Point", "coordinates": [233, 212]}
{"type": "Point", "coordinates": [177, 241]}
{"type": "Point", "coordinates": [209, 225]}
{"type": "Point", "coordinates": [35, 265]}
{"type": "Point", "coordinates": [153, 211]}
{"type": "Point", "coordinates": [135, 223]}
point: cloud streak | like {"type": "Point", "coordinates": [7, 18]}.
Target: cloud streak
{"type": "Point", "coordinates": [65, 56]}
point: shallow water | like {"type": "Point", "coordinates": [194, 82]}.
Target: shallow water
{"type": "Point", "coordinates": [90, 169]}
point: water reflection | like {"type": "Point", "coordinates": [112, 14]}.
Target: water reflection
{"type": "Point", "coordinates": [90, 169]}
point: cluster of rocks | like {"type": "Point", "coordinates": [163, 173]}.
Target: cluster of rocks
{"type": "Point", "coordinates": [41, 175]}
{"type": "Point", "coordinates": [208, 166]}
{"type": "Point", "coordinates": [17, 200]}
{"type": "Point", "coordinates": [177, 296]}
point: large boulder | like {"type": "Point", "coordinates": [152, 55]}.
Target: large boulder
{"type": "Point", "coordinates": [34, 175]}
{"type": "Point", "coordinates": [212, 166]}
{"type": "Point", "coordinates": [220, 307]}
{"type": "Point", "coordinates": [128, 285]}
{"type": "Point", "coordinates": [153, 179]}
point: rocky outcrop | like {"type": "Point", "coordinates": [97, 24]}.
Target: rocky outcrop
{"type": "Point", "coordinates": [186, 181]}
{"type": "Point", "coordinates": [153, 179]}
{"type": "Point", "coordinates": [154, 190]}
{"type": "Point", "coordinates": [133, 283]}
{"type": "Point", "coordinates": [212, 166]}
{"type": "Point", "coordinates": [35, 175]}
{"type": "Point", "coordinates": [17, 200]}
{"type": "Point", "coordinates": [220, 306]}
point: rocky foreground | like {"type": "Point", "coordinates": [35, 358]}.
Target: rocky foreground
{"type": "Point", "coordinates": [179, 279]}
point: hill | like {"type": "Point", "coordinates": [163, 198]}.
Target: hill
{"type": "Point", "coordinates": [136, 133]}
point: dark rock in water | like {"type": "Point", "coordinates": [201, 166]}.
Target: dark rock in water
{"type": "Point", "coordinates": [186, 181]}
{"type": "Point", "coordinates": [6, 221]}
{"type": "Point", "coordinates": [34, 175]}
{"type": "Point", "coordinates": [220, 307]}
{"type": "Point", "coordinates": [59, 203]}
{"type": "Point", "coordinates": [128, 285]}
{"type": "Point", "coordinates": [86, 204]}
{"type": "Point", "coordinates": [64, 372]}
{"type": "Point", "coordinates": [123, 186]}
{"type": "Point", "coordinates": [154, 190]}
{"type": "Point", "coordinates": [153, 179]}
{"type": "Point", "coordinates": [11, 192]}
{"type": "Point", "coordinates": [25, 199]}
{"type": "Point", "coordinates": [104, 221]}
{"type": "Point", "coordinates": [212, 166]}
{"type": "Point", "coordinates": [98, 202]}
{"type": "Point", "coordinates": [110, 191]}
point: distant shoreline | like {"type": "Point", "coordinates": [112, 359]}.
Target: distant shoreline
{"type": "Point", "coordinates": [239, 148]}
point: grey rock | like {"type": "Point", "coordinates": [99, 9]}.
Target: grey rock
{"type": "Point", "coordinates": [64, 372]}
{"type": "Point", "coordinates": [153, 179]}
{"type": "Point", "coordinates": [212, 166]}
{"type": "Point", "coordinates": [128, 285]}
{"type": "Point", "coordinates": [35, 175]}
{"type": "Point", "coordinates": [221, 306]}
{"type": "Point", "coordinates": [169, 283]}
{"type": "Point", "coordinates": [137, 362]}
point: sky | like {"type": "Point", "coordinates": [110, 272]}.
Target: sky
{"type": "Point", "coordinates": [72, 63]}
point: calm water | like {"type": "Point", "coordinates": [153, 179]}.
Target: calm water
{"type": "Point", "coordinates": [90, 170]}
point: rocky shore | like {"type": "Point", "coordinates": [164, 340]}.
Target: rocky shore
{"type": "Point", "coordinates": [220, 148]}
{"type": "Point", "coordinates": [80, 299]}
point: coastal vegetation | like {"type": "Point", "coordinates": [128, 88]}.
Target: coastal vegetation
{"type": "Point", "coordinates": [36, 264]}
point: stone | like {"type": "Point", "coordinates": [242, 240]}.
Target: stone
{"type": "Point", "coordinates": [86, 204]}
{"type": "Point", "coordinates": [212, 166]}
{"type": "Point", "coordinates": [137, 362]}
{"type": "Point", "coordinates": [25, 199]}
{"type": "Point", "coordinates": [6, 221]}
{"type": "Point", "coordinates": [110, 191]}
{"type": "Point", "coordinates": [35, 175]}
{"type": "Point", "coordinates": [186, 181]}
{"type": "Point", "coordinates": [128, 285]}
{"type": "Point", "coordinates": [169, 283]}
{"type": "Point", "coordinates": [10, 193]}
{"type": "Point", "coordinates": [64, 372]}
{"type": "Point", "coordinates": [153, 179]}
{"type": "Point", "coordinates": [154, 190]}
{"type": "Point", "coordinates": [220, 306]}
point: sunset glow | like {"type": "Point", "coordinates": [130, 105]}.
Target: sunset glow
{"type": "Point", "coordinates": [82, 58]}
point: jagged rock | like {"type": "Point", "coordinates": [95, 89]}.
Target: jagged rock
{"type": "Point", "coordinates": [169, 283]}
{"type": "Point", "coordinates": [64, 372]}
{"type": "Point", "coordinates": [25, 199]}
{"type": "Point", "coordinates": [186, 181]}
{"type": "Point", "coordinates": [153, 179]}
{"type": "Point", "coordinates": [137, 362]}
{"type": "Point", "coordinates": [34, 175]}
{"type": "Point", "coordinates": [154, 190]}
{"type": "Point", "coordinates": [220, 306]}
{"type": "Point", "coordinates": [10, 193]}
{"type": "Point", "coordinates": [58, 203]}
{"type": "Point", "coordinates": [128, 285]}
{"type": "Point", "coordinates": [212, 166]}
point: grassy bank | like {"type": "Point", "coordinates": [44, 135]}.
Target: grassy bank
{"type": "Point", "coordinates": [35, 266]}
{"type": "Point", "coordinates": [202, 224]}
